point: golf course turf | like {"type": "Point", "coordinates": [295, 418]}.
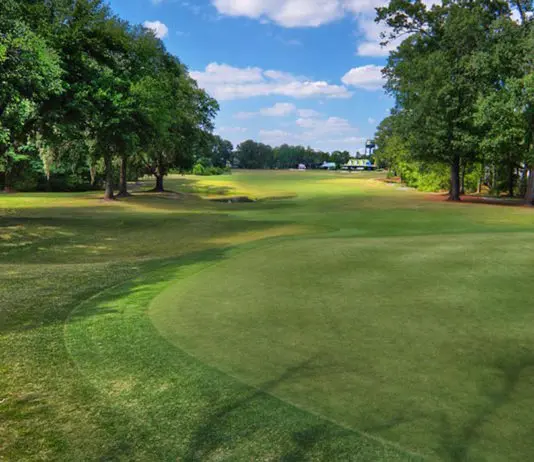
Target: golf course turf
{"type": "Point", "coordinates": [335, 318]}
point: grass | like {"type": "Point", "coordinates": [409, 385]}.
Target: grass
{"type": "Point", "coordinates": [349, 321]}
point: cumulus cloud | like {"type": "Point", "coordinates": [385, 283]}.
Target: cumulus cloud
{"type": "Point", "coordinates": [287, 13]}
{"type": "Point", "coordinates": [226, 83]}
{"type": "Point", "coordinates": [308, 113]}
{"type": "Point", "coordinates": [159, 29]}
{"type": "Point", "coordinates": [371, 39]}
{"type": "Point", "coordinates": [365, 77]}
{"type": "Point", "coordinates": [231, 130]}
{"type": "Point", "coordinates": [279, 110]}
{"type": "Point", "coordinates": [297, 13]}
{"type": "Point", "coordinates": [320, 127]}
{"type": "Point", "coordinates": [314, 13]}
{"type": "Point", "coordinates": [329, 134]}
{"type": "Point", "coordinates": [278, 137]}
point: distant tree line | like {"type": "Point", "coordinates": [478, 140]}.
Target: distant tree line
{"type": "Point", "coordinates": [87, 98]}
{"type": "Point", "coordinates": [463, 82]}
{"type": "Point", "coordinates": [253, 155]}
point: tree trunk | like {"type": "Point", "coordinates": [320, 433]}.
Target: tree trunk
{"type": "Point", "coordinates": [529, 196]}
{"type": "Point", "coordinates": [7, 181]}
{"type": "Point", "coordinates": [462, 179]}
{"type": "Point", "coordinates": [511, 181]}
{"type": "Point", "coordinates": [7, 176]}
{"type": "Point", "coordinates": [108, 194]}
{"type": "Point", "coordinates": [123, 187]}
{"type": "Point", "coordinates": [159, 182]}
{"type": "Point", "coordinates": [454, 194]}
{"type": "Point", "coordinates": [92, 172]}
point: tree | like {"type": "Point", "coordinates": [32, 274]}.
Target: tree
{"type": "Point", "coordinates": [31, 72]}
{"type": "Point", "coordinates": [215, 152]}
{"type": "Point", "coordinates": [94, 90]}
{"type": "Point", "coordinates": [179, 119]}
{"type": "Point", "coordinates": [436, 78]}
{"type": "Point", "coordinates": [253, 155]}
{"type": "Point", "coordinates": [340, 157]}
{"type": "Point", "coordinates": [504, 131]}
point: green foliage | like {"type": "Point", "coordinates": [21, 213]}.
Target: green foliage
{"type": "Point", "coordinates": [459, 81]}
{"type": "Point", "coordinates": [92, 86]}
{"type": "Point", "coordinates": [253, 155]}
{"type": "Point", "coordinates": [199, 169]}
{"type": "Point", "coordinates": [30, 73]}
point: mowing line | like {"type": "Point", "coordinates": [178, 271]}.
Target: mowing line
{"type": "Point", "coordinates": [239, 250]}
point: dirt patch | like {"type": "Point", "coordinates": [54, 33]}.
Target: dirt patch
{"type": "Point", "coordinates": [233, 200]}
{"type": "Point", "coordinates": [502, 201]}
{"type": "Point", "coordinates": [393, 180]}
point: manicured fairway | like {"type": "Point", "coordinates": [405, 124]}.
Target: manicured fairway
{"type": "Point", "coordinates": [423, 341]}
{"type": "Point", "coordinates": [337, 318]}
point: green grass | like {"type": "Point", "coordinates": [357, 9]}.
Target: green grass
{"type": "Point", "coordinates": [349, 321]}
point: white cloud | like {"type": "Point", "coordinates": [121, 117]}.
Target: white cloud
{"type": "Point", "coordinates": [159, 29]}
{"type": "Point", "coordinates": [279, 110]}
{"type": "Point", "coordinates": [371, 34]}
{"type": "Point", "coordinates": [287, 13]}
{"type": "Point", "coordinates": [370, 31]}
{"type": "Point", "coordinates": [308, 113]}
{"type": "Point", "coordinates": [224, 74]}
{"type": "Point", "coordinates": [230, 130]}
{"type": "Point", "coordinates": [297, 13]}
{"type": "Point", "coordinates": [327, 134]}
{"type": "Point", "coordinates": [278, 137]}
{"type": "Point", "coordinates": [371, 121]}
{"type": "Point", "coordinates": [281, 76]}
{"type": "Point", "coordinates": [365, 77]}
{"type": "Point", "coordinates": [225, 83]}
{"type": "Point", "coordinates": [313, 13]}
{"type": "Point", "coordinates": [320, 127]}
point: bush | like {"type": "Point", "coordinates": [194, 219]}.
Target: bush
{"type": "Point", "coordinates": [200, 170]}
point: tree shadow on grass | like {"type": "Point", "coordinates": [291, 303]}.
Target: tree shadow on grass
{"type": "Point", "coordinates": [127, 279]}
{"type": "Point", "coordinates": [209, 435]}
{"type": "Point", "coordinates": [310, 437]}
{"type": "Point", "coordinates": [457, 442]}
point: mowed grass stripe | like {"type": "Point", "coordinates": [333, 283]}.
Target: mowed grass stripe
{"type": "Point", "coordinates": [196, 410]}
{"type": "Point", "coordinates": [406, 338]}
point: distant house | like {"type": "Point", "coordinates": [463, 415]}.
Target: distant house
{"type": "Point", "coordinates": [359, 164]}
{"type": "Point", "coordinates": [328, 166]}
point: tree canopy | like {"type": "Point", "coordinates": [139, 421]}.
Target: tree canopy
{"type": "Point", "coordinates": [460, 80]}
{"type": "Point", "coordinates": [84, 89]}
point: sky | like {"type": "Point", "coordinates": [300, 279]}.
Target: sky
{"type": "Point", "coordinates": [284, 71]}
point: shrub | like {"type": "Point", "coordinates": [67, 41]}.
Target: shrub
{"type": "Point", "coordinates": [200, 170]}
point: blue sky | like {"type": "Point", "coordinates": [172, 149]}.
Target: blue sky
{"type": "Point", "coordinates": [284, 71]}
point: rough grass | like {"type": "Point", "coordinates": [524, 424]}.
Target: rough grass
{"type": "Point", "coordinates": [85, 374]}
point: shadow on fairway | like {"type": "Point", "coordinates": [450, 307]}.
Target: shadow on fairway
{"type": "Point", "coordinates": [457, 442]}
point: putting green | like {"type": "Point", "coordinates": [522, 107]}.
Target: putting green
{"type": "Point", "coordinates": [424, 341]}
